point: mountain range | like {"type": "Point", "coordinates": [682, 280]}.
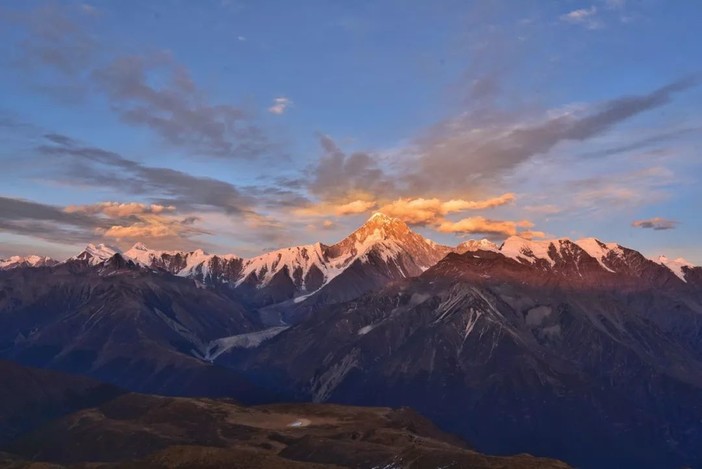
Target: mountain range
{"type": "Point", "coordinates": [581, 350]}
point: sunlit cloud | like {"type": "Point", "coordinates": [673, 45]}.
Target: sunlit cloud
{"type": "Point", "coordinates": [117, 209]}
{"type": "Point", "coordinates": [419, 211]}
{"type": "Point", "coordinates": [482, 225]}
{"type": "Point", "coordinates": [326, 209]}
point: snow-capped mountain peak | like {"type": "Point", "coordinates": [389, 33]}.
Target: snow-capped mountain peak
{"type": "Point", "coordinates": [381, 227]}
{"type": "Point", "coordinates": [94, 254]}
{"type": "Point", "coordinates": [26, 261]}
{"type": "Point", "coordinates": [526, 250]}
{"type": "Point", "coordinates": [599, 250]}
{"type": "Point", "coordinates": [139, 247]}
{"type": "Point", "coordinates": [476, 245]}
{"type": "Point", "coordinates": [677, 266]}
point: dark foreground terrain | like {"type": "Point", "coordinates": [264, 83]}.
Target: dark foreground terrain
{"type": "Point", "coordinates": [44, 426]}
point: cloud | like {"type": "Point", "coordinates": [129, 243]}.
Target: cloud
{"type": "Point", "coordinates": [153, 227]}
{"type": "Point", "coordinates": [656, 223]}
{"type": "Point", "coordinates": [338, 176]}
{"type": "Point", "coordinates": [624, 189]}
{"type": "Point", "coordinates": [325, 209]}
{"type": "Point", "coordinates": [150, 90]}
{"type": "Point", "coordinates": [355, 207]}
{"type": "Point", "coordinates": [117, 209]}
{"type": "Point", "coordinates": [137, 221]}
{"type": "Point", "coordinates": [101, 168]}
{"type": "Point", "coordinates": [419, 211]}
{"type": "Point", "coordinates": [473, 152]}
{"type": "Point", "coordinates": [478, 150]}
{"type": "Point", "coordinates": [280, 105]}
{"type": "Point", "coordinates": [486, 226]}
{"type": "Point", "coordinates": [55, 37]}
{"type": "Point", "coordinates": [86, 223]}
{"type": "Point", "coordinates": [177, 109]}
{"type": "Point", "coordinates": [45, 221]}
{"type": "Point", "coordinates": [584, 16]}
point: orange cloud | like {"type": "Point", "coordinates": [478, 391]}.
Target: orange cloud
{"type": "Point", "coordinates": [325, 209]}
{"type": "Point", "coordinates": [486, 226]}
{"type": "Point", "coordinates": [140, 231]}
{"type": "Point", "coordinates": [421, 211]}
{"type": "Point", "coordinates": [152, 226]}
{"type": "Point", "coordinates": [355, 207]}
{"type": "Point", "coordinates": [117, 209]}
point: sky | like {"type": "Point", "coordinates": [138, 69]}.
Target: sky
{"type": "Point", "coordinates": [244, 126]}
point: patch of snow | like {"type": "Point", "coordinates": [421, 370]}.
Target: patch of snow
{"type": "Point", "coordinates": [598, 250]}
{"type": "Point", "coordinates": [30, 261]}
{"type": "Point", "coordinates": [96, 254]}
{"type": "Point", "coordinates": [675, 265]}
{"type": "Point", "coordinates": [525, 250]}
{"type": "Point", "coordinates": [250, 340]}
{"type": "Point", "coordinates": [476, 245]}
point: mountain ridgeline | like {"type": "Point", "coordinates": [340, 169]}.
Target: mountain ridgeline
{"type": "Point", "coordinates": [583, 351]}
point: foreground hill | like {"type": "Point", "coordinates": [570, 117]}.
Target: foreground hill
{"type": "Point", "coordinates": [30, 397]}
{"type": "Point", "coordinates": [144, 431]}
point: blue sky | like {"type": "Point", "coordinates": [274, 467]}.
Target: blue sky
{"type": "Point", "coordinates": [243, 126]}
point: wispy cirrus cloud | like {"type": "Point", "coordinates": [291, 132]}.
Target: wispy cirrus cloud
{"type": "Point", "coordinates": [656, 223]}
{"type": "Point", "coordinates": [583, 16]}
{"type": "Point", "coordinates": [472, 151]}
{"type": "Point", "coordinates": [150, 90]}
{"type": "Point", "coordinates": [177, 110]}
{"type": "Point", "coordinates": [97, 167]}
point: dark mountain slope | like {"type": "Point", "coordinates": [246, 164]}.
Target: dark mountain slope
{"type": "Point", "coordinates": [599, 365]}
{"type": "Point", "coordinates": [122, 324]}
{"type": "Point", "coordinates": [30, 397]}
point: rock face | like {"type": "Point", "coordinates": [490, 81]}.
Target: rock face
{"type": "Point", "coordinates": [578, 350]}
{"type": "Point", "coordinates": [120, 323]}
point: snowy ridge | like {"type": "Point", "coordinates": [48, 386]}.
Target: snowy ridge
{"type": "Point", "coordinates": [599, 250]}
{"type": "Point", "coordinates": [612, 257]}
{"type": "Point", "coordinates": [524, 250]}
{"type": "Point", "coordinates": [95, 254]}
{"type": "Point", "coordinates": [28, 261]}
{"type": "Point", "coordinates": [298, 258]}
{"type": "Point", "coordinates": [476, 245]}
{"type": "Point", "coordinates": [141, 254]}
{"type": "Point", "coordinates": [677, 266]}
{"type": "Point", "coordinates": [385, 241]}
